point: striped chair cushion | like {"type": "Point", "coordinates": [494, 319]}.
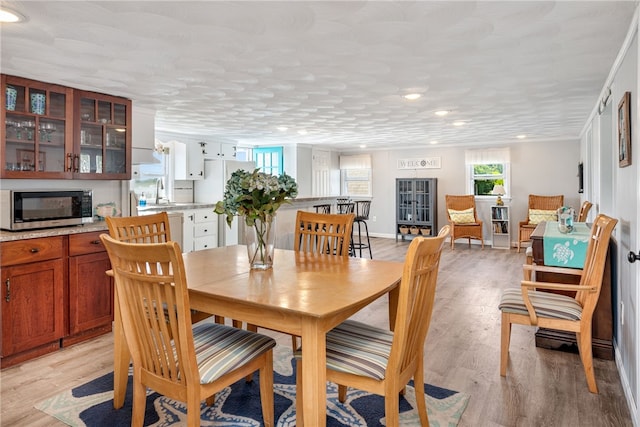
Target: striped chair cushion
{"type": "Point", "coordinates": [545, 304]}
{"type": "Point", "coordinates": [221, 349]}
{"type": "Point", "coordinates": [357, 348]}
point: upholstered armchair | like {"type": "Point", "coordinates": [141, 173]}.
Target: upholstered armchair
{"type": "Point", "coordinates": [541, 208]}
{"type": "Point", "coordinates": [463, 218]}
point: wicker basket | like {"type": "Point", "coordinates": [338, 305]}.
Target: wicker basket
{"type": "Point", "coordinates": [414, 230]}
{"type": "Point", "coordinates": [426, 231]}
{"type": "Point", "coordinates": [404, 229]}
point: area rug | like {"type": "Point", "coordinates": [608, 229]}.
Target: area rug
{"type": "Point", "coordinates": [91, 404]}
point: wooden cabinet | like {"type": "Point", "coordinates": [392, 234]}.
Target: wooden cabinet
{"type": "Point", "coordinates": [57, 132]}
{"type": "Point", "coordinates": [500, 229]}
{"type": "Point", "coordinates": [37, 129]}
{"type": "Point", "coordinates": [90, 289]}
{"type": "Point", "coordinates": [33, 297]}
{"type": "Point", "coordinates": [102, 136]}
{"type": "Point", "coordinates": [416, 207]}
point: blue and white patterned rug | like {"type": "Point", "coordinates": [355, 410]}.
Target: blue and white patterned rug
{"type": "Point", "coordinates": [91, 404]}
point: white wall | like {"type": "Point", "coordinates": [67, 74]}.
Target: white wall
{"type": "Point", "coordinates": [536, 168]}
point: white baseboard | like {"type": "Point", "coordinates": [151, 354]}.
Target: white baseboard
{"type": "Point", "coordinates": [626, 387]}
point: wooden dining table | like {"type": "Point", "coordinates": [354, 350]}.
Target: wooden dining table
{"type": "Point", "coordinates": [303, 294]}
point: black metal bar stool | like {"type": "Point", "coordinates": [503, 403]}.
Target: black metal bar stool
{"type": "Point", "coordinates": [362, 208]}
{"type": "Point", "coordinates": [324, 208]}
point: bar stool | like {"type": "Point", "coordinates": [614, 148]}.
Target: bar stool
{"type": "Point", "coordinates": [344, 207]}
{"type": "Point", "coordinates": [362, 208]}
{"type": "Point", "coordinates": [324, 208]}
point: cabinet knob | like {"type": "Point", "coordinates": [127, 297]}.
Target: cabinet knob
{"type": "Point", "coordinates": [7, 297]}
{"type": "Point", "coordinates": [34, 250]}
{"type": "Point", "coordinates": [95, 242]}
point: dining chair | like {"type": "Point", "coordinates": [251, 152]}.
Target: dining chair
{"type": "Point", "coordinates": [152, 228]}
{"type": "Point", "coordinates": [527, 305]}
{"type": "Point", "coordinates": [584, 211]}
{"type": "Point", "coordinates": [182, 361]}
{"type": "Point", "coordinates": [381, 361]}
{"type": "Point", "coordinates": [322, 234]}
{"type": "Point", "coordinates": [541, 208]}
{"type": "Point", "coordinates": [463, 218]}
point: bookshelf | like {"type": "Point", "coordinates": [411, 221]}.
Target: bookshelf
{"type": "Point", "coordinates": [500, 229]}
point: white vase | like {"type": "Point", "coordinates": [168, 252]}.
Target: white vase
{"type": "Point", "coordinates": [260, 239]}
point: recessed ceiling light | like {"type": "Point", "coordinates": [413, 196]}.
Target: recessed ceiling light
{"type": "Point", "coordinates": [458, 123]}
{"type": "Point", "coordinates": [433, 142]}
{"type": "Point", "coordinates": [412, 96]}
{"type": "Point", "coordinates": [442, 113]}
{"type": "Point", "coordinates": [8, 15]}
{"type": "Point", "coordinates": [282, 128]}
{"type": "Point", "coordinates": [363, 145]}
{"type": "Point", "coordinates": [302, 132]}
{"type": "Point", "coordinates": [521, 136]}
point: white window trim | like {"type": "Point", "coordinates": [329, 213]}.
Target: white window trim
{"type": "Point", "coordinates": [506, 176]}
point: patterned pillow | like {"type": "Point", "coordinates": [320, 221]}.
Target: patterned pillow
{"type": "Point", "coordinates": [536, 216]}
{"type": "Point", "coordinates": [462, 217]}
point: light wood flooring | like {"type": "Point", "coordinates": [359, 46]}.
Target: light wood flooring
{"type": "Point", "coordinates": [542, 387]}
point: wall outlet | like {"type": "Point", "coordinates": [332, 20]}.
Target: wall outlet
{"type": "Point", "coordinates": [373, 218]}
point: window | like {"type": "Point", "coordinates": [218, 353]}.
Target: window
{"type": "Point", "coordinates": [355, 175]}
{"type": "Point", "coordinates": [269, 160]}
{"type": "Point", "coordinates": [487, 168]}
{"type": "Point", "coordinates": [357, 182]}
{"type": "Point", "coordinates": [485, 176]}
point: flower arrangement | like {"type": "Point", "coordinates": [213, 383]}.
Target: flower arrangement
{"type": "Point", "coordinates": [257, 196]}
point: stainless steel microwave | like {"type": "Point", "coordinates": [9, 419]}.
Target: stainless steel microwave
{"type": "Point", "coordinates": [32, 209]}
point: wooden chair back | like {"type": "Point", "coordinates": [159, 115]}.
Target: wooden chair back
{"type": "Point", "coordinates": [584, 211]}
{"type": "Point", "coordinates": [594, 264]}
{"type": "Point", "coordinates": [323, 233]}
{"type": "Point", "coordinates": [546, 203]}
{"type": "Point", "coordinates": [140, 229]}
{"type": "Point", "coordinates": [154, 305]}
{"type": "Point", "coordinates": [415, 303]}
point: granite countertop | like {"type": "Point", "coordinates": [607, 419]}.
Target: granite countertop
{"type": "Point", "coordinates": [8, 236]}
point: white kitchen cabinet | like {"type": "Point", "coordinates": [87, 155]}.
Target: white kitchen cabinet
{"type": "Point", "coordinates": [200, 229]}
{"type": "Point", "coordinates": [188, 161]}
{"type": "Point", "coordinates": [219, 150]}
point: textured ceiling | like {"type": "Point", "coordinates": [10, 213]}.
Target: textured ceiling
{"type": "Point", "coordinates": [332, 72]}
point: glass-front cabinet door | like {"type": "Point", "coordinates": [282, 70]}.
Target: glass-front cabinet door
{"type": "Point", "coordinates": [37, 129]}
{"type": "Point", "coordinates": [103, 136]}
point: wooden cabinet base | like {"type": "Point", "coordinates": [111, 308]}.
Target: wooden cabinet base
{"type": "Point", "coordinates": [86, 335]}
{"type": "Point", "coordinates": [566, 341]}
{"type": "Point", "coordinates": [17, 358]}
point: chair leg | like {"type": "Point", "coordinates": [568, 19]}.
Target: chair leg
{"type": "Point", "coordinates": [193, 408]}
{"type": "Point", "coordinates": [139, 401]}
{"type": "Point", "coordinates": [505, 338]}
{"type": "Point", "coordinates": [586, 355]}
{"type": "Point", "coordinates": [266, 390]}
{"type": "Point", "coordinates": [418, 382]}
{"type": "Point", "coordinates": [392, 409]}
{"type": "Point", "coordinates": [342, 393]}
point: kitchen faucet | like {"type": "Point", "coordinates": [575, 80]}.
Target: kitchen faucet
{"type": "Point", "coordinates": [159, 186]}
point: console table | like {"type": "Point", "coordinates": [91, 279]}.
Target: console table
{"type": "Point", "coordinates": [602, 338]}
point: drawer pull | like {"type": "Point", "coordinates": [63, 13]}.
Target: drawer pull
{"type": "Point", "coordinates": [8, 285]}
{"type": "Point", "coordinates": [35, 250]}
{"type": "Point", "coordinates": [95, 242]}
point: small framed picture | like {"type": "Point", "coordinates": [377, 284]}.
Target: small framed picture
{"type": "Point", "coordinates": [624, 131]}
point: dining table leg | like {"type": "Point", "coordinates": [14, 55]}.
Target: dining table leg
{"type": "Point", "coordinates": [314, 374]}
{"type": "Point", "coordinates": [121, 359]}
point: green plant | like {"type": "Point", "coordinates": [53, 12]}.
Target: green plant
{"type": "Point", "coordinates": [255, 195]}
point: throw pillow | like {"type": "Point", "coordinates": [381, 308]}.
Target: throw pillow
{"type": "Point", "coordinates": [462, 217]}
{"type": "Point", "coordinates": [536, 216]}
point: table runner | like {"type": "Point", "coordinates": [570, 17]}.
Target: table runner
{"type": "Point", "coordinates": [565, 250]}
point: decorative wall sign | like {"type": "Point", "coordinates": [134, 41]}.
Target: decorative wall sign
{"type": "Point", "coordinates": [420, 163]}
{"type": "Point", "coordinates": [624, 130]}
